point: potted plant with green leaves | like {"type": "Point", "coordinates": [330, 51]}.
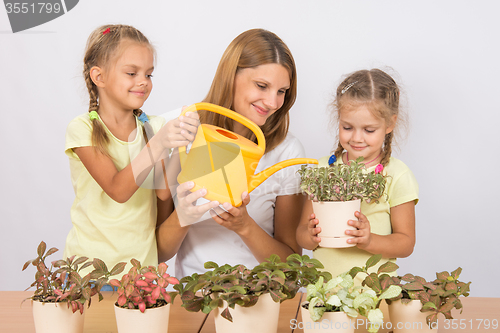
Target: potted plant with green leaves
{"type": "Point", "coordinates": [337, 301]}
{"type": "Point", "coordinates": [61, 293]}
{"type": "Point", "coordinates": [421, 301]}
{"type": "Point", "coordinates": [247, 300]}
{"type": "Point", "coordinates": [143, 302]}
{"type": "Point", "coordinates": [336, 193]}
{"type": "Point", "coordinates": [380, 280]}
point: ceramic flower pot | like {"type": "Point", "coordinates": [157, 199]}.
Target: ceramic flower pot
{"type": "Point", "coordinates": [57, 317]}
{"type": "Point", "coordinates": [262, 317]}
{"type": "Point", "coordinates": [333, 217]}
{"type": "Point", "coordinates": [337, 322]}
{"type": "Point", "coordinates": [154, 320]}
{"type": "Point", "coordinates": [407, 318]}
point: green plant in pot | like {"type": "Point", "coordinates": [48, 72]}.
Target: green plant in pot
{"type": "Point", "coordinates": [230, 287]}
{"type": "Point", "coordinates": [341, 296]}
{"type": "Point", "coordinates": [61, 283]}
{"type": "Point", "coordinates": [339, 300]}
{"type": "Point", "coordinates": [439, 296]}
{"type": "Point", "coordinates": [144, 290]}
{"type": "Point", "coordinates": [336, 192]}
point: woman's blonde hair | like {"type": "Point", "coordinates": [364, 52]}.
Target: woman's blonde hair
{"type": "Point", "coordinates": [250, 49]}
{"type": "Point", "coordinates": [379, 92]}
{"type": "Point", "coordinates": [103, 45]}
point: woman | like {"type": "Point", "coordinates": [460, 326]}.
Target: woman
{"type": "Point", "coordinates": [256, 77]}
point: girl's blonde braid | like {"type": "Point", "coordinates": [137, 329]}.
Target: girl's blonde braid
{"type": "Point", "coordinates": [100, 138]}
{"type": "Point", "coordinates": [339, 151]}
{"type": "Point", "coordinates": [147, 129]}
{"type": "Point", "coordinates": [387, 150]}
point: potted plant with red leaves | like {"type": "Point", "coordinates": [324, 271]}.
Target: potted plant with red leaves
{"type": "Point", "coordinates": [336, 192]}
{"type": "Point", "coordinates": [61, 293]}
{"type": "Point", "coordinates": [247, 300]}
{"type": "Point", "coordinates": [143, 303]}
{"type": "Point", "coordinates": [422, 301]}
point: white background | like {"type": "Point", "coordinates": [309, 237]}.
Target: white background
{"type": "Point", "coordinates": [445, 54]}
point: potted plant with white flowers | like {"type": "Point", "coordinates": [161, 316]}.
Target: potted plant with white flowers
{"type": "Point", "coordinates": [336, 192]}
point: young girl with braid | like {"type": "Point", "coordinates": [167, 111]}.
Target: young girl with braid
{"type": "Point", "coordinates": [367, 111]}
{"type": "Point", "coordinates": [113, 149]}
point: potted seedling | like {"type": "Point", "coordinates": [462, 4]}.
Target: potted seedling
{"type": "Point", "coordinates": [247, 300]}
{"type": "Point", "coordinates": [422, 302]}
{"type": "Point", "coordinates": [143, 303]}
{"type": "Point", "coordinates": [61, 293]}
{"type": "Point", "coordinates": [336, 193]}
{"type": "Point", "coordinates": [380, 281]}
{"type": "Point", "coordinates": [337, 302]}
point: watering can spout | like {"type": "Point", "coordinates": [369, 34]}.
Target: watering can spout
{"type": "Point", "coordinates": [259, 178]}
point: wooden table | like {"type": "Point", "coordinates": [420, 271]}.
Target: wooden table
{"type": "Point", "coordinates": [100, 318]}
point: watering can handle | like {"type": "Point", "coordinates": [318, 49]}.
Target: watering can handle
{"type": "Point", "coordinates": [261, 141]}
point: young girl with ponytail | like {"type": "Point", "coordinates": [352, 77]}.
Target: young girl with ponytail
{"type": "Point", "coordinates": [367, 111]}
{"type": "Point", "coordinates": [117, 161]}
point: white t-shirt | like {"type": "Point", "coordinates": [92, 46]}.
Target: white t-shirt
{"type": "Point", "coordinates": [209, 241]}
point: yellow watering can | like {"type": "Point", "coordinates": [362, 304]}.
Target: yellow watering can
{"type": "Point", "coordinates": [224, 162]}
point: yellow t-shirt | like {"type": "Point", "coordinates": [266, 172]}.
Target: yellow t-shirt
{"type": "Point", "coordinates": [103, 228]}
{"type": "Point", "coordinates": [401, 187]}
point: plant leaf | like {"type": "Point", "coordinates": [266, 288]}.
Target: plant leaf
{"type": "Point", "coordinates": [118, 268]}
{"type": "Point", "coordinates": [226, 314]}
{"type": "Point", "coordinates": [41, 249]}
{"type": "Point", "coordinates": [373, 260]}
{"type": "Point", "coordinates": [388, 267]}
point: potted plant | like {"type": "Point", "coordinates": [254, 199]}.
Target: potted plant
{"type": "Point", "coordinates": [422, 302]}
{"type": "Point", "coordinates": [336, 193]}
{"type": "Point", "coordinates": [62, 293]}
{"type": "Point", "coordinates": [247, 291]}
{"type": "Point", "coordinates": [143, 303]}
{"type": "Point", "coordinates": [339, 300]}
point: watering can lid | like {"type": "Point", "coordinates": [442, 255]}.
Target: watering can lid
{"type": "Point", "coordinates": [248, 148]}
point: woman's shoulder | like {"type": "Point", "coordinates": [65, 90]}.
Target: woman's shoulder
{"type": "Point", "coordinates": [290, 147]}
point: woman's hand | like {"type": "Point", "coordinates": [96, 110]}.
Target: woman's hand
{"type": "Point", "coordinates": [186, 208]}
{"type": "Point", "coordinates": [180, 131]}
{"type": "Point", "coordinates": [362, 236]}
{"type": "Point", "coordinates": [233, 218]}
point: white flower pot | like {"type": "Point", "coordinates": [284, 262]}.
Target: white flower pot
{"type": "Point", "coordinates": [337, 322]}
{"type": "Point", "coordinates": [57, 317]}
{"type": "Point", "coordinates": [407, 318]}
{"type": "Point", "coordinates": [333, 217]}
{"type": "Point", "coordinates": [154, 320]}
{"type": "Point", "coordinates": [262, 317]}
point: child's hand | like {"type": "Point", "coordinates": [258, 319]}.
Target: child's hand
{"type": "Point", "coordinates": [180, 131]}
{"type": "Point", "coordinates": [186, 208]}
{"type": "Point", "coordinates": [313, 229]}
{"type": "Point", "coordinates": [362, 236]}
